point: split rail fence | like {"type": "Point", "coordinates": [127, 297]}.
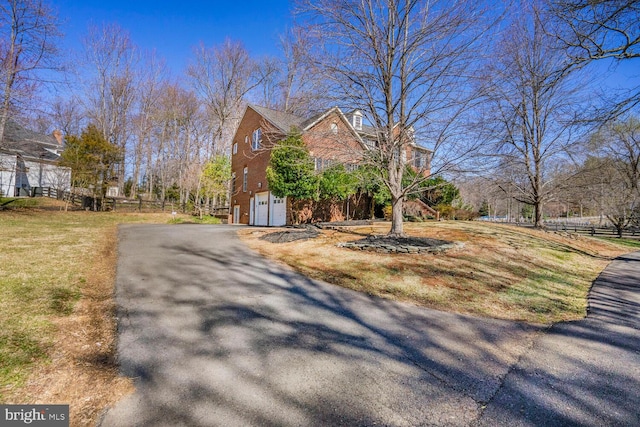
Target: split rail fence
{"type": "Point", "coordinates": [120, 204]}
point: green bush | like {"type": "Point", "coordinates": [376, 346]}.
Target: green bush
{"type": "Point", "coordinates": [446, 211]}
{"type": "Point", "coordinates": [207, 219]}
{"type": "Point", "coordinates": [387, 211]}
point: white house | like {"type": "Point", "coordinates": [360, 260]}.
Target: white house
{"type": "Point", "coordinates": [29, 160]}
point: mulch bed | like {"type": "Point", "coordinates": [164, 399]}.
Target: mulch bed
{"type": "Point", "coordinates": [291, 235]}
{"type": "Point", "coordinates": [403, 241]}
{"type": "Point", "coordinates": [410, 245]}
{"type": "Point", "coordinates": [385, 244]}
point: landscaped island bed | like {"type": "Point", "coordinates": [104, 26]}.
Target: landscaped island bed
{"type": "Point", "coordinates": [493, 270]}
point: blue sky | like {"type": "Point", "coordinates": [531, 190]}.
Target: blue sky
{"type": "Point", "coordinates": [174, 27]}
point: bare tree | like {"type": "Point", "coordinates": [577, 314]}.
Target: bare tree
{"type": "Point", "coordinates": [616, 174]}
{"type": "Point", "coordinates": [593, 30]}
{"type": "Point", "coordinates": [178, 140]}
{"type": "Point", "coordinates": [110, 94]}
{"type": "Point", "coordinates": [223, 76]}
{"type": "Point", "coordinates": [67, 116]}
{"type": "Point", "coordinates": [406, 64]}
{"type": "Point", "coordinates": [599, 29]}
{"type": "Point", "coordinates": [268, 73]}
{"type": "Point", "coordinates": [291, 84]}
{"type": "Point", "coordinates": [531, 102]}
{"type": "Point", "coordinates": [303, 89]}
{"type": "Point", "coordinates": [28, 35]}
{"type": "Point", "coordinates": [151, 83]}
{"type": "Point", "coordinates": [620, 141]}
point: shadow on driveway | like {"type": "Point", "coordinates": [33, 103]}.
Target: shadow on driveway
{"type": "Point", "coordinates": [582, 373]}
{"type": "Point", "coordinates": [213, 334]}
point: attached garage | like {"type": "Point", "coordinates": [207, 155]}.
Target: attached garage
{"type": "Point", "coordinates": [261, 211]}
{"type": "Point", "coordinates": [278, 209]}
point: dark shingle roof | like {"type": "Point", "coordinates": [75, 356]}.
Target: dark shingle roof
{"type": "Point", "coordinates": [27, 143]}
{"type": "Point", "coordinates": [313, 119]}
{"type": "Point", "coordinates": [283, 121]}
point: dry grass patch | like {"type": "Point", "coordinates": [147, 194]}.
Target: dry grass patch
{"type": "Point", "coordinates": [57, 330]}
{"type": "Point", "coordinates": [502, 271]}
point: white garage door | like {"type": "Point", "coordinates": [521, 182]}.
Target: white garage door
{"type": "Point", "coordinates": [262, 209]}
{"type": "Point", "coordinates": [278, 211]}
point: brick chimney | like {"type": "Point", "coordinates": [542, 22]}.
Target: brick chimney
{"type": "Point", "coordinates": [57, 134]}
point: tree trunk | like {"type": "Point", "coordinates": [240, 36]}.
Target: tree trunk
{"type": "Point", "coordinates": [538, 214]}
{"type": "Point", "coordinates": [136, 177]}
{"type": "Point", "coordinates": [397, 218]}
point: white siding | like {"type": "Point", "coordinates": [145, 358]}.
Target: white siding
{"type": "Point", "coordinates": [7, 175]}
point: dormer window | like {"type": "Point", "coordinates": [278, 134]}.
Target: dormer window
{"type": "Point", "coordinates": [357, 120]}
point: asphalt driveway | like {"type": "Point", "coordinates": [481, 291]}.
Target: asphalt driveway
{"type": "Point", "coordinates": [215, 335]}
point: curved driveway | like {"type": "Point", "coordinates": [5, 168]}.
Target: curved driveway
{"type": "Point", "coordinates": [215, 335]}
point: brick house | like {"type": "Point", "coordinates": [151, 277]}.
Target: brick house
{"type": "Point", "coordinates": [331, 137]}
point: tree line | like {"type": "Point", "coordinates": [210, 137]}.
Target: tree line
{"type": "Point", "coordinates": [506, 96]}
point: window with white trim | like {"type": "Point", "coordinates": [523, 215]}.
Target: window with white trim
{"type": "Point", "coordinates": [245, 176]}
{"type": "Point", "coordinates": [370, 143]}
{"type": "Point", "coordinates": [351, 167]}
{"type": "Point", "coordinates": [256, 139]}
{"type": "Point", "coordinates": [334, 128]}
{"type": "Point", "coordinates": [235, 148]}
{"type": "Point", "coordinates": [357, 121]}
{"type": "Point", "coordinates": [418, 159]}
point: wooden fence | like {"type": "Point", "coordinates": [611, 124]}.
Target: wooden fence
{"type": "Point", "coordinates": [121, 204]}
{"type": "Point", "coordinates": [583, 229]}
{"type": "Point", "coordinates": [627, 233]}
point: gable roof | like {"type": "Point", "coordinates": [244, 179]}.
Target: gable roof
{"type": "Point", "coordinates": [285, 121]}
{"type": "Point", "coordinates": [29, 144]}
{"type": "Point", "coordinates": [315, 119]}
{"type": "Point", "coordinates": [281, 120]}
{"type": "Point", "coordinates": [319, 117]}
